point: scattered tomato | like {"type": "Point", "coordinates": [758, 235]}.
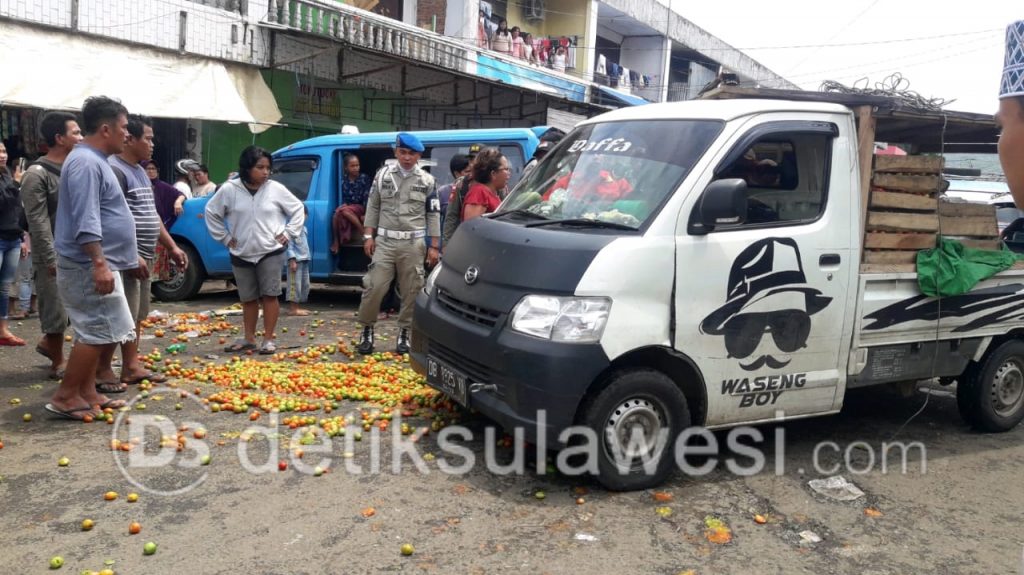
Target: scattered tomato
{"type": "Point", "coordinates": [134, 528]}
{"type": "Point", "coordinates": [407, 549]}
{"type": "Point", "coordinates": [87, 524]}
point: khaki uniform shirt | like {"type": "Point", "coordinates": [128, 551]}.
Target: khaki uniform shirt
{"type": "Point", "coordinates": [404, 204]}
{"type": "Point", "coordinates": [39, 188]}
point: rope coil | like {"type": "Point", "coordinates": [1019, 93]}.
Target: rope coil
{"type": "Point", "coordinates": [893, 86]}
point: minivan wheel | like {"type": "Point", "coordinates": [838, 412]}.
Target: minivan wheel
{"type": "Point", "coordinates": [636, 419]}
{"type": "Point", "coordinates": [991, 395]}
{"type": "Point", "coordinates": [183, 284]}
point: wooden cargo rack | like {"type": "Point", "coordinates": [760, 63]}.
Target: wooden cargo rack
{"type": "Point", "coordinates": [902, 212]}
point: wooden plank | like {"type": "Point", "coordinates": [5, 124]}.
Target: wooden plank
{"type": "Point", "coordinates": [891, 241]}
{"type": "Point", "coordinates": [909, 164]}
{"type": "Point", "coordinates": [865, 153]}
{"type": "Point", "coordinates": [890, 257]}
{"type": "Point", "coordinates": [880, 199]}
{"type": "Point", "coordinates": [909, 183]}
{"type": "Point", "coordinates": [888, 221]}
{"type": "Point", "coordinates": [976, 226]}
{"type": "Point", "coordinates": [957, 209]}
{"type": "Point", "coordinates": [993, 244]}
{"type": "Point", "coordinates": [909, 268]}
{"type": "Point", "coordinates": [888, 268]}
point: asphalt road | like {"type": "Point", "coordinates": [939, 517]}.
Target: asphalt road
{"type": "Point", "coordinates": [960, 514]}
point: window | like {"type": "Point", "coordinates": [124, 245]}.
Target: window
{"type": "Point", "coordinates": [786, 175]}
{"type": "Point", "coordinates": [441, 157]}
{"type": "Point", "coordinates": [295, 174]}
{"type": "Point", "coordinates": [619, 173]}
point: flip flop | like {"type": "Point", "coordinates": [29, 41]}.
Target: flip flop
{"type": "Point", "coordinates": [113, 404]}
{"type": "Point", "coordinates": [69, 414]}
{"type": "Point", "coordinates": [110, 387]}
{"type": "Point", "coordinates": [12, 341]}
{"type": "Point", "coordinates": [268, 347]}
{"type": "Point", "coordinates": [151, 376]}
{"type": "Point", "coordinates": [238, 345]}
{"type": "Point", "coordinates": [55, 374]}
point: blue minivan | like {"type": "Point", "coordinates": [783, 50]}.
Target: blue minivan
{"type": "Point", "coordinates": [312, 170]}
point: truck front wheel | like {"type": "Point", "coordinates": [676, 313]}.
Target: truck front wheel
{"type": "Point", "coordinates": [991, 395]}
{"type": "Point", "coordinates": [637, 419]}
{"type": "Point", "coordinates": [183, 284]}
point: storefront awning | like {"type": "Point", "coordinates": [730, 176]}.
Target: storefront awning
{"type": "Point", "coordinates": [622, 98]}
{"type": "Point", "coordinates": [59, 71]}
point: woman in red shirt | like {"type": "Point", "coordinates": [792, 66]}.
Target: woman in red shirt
{"type": "Point", "coordinates": [490, 173]}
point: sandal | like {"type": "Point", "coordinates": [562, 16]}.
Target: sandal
{"type": "Point", "coordinates": [110, 387]}
{"type": "Point", "coordinates": [152, 377]}
{"type": "Point", "coordinates": [240, 344]}
{"type": "Point", "coordinates": [268, 347]}
{"type": "Point", "coordinates": [68, 413]}
{"type": "Point", "coordinates": [11, 341]}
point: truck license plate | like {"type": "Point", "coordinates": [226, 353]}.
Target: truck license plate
{"type": "Point", "coordinates": [446, 379]}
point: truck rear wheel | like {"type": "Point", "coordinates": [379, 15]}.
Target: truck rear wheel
{"type": "Point", "coordinates": [991, 395]}
{"type": "Point", "coordinates": [637, 419]}
{"type": "Point", "coordinates": [183, 284]}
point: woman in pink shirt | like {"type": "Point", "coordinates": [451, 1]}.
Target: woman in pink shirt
{"type": "Point", "coordinates": [490, 173]}
{"type": "Point", "coordinates": [517, 43]}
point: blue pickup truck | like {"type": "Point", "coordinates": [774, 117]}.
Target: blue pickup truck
{"type": "Point", "coordinates": [311, 169]}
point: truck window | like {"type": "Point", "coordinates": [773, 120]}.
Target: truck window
{"type": "Point", "coordinates": [615, 172]}
{"type": "Point", "coordinates": [787, 178]}
{"type": "Point", "coordinates": [295, 174]}
{"type": "Point", "coordinates": [441, 157]}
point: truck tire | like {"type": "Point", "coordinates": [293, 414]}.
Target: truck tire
{"type": "Point", "coordinates": [642, 399]}
{"type": "Point", "coordinates": [182, 285]}
{"type": "Point", "coordinates": [990, 395]}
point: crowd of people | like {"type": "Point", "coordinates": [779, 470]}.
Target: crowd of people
{"type": "Point", "coordinates": [89, 219]}
{"type": "Point", "coordinates": [514, 42]}
{"type": "Point", "coordinates": [95, 213]}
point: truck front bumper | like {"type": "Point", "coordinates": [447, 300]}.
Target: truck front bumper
{"type": "Point", "coordinates": [530, 383]}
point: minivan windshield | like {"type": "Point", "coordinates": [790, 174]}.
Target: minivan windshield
{"type": "Point", "coordinates": [618, 173]}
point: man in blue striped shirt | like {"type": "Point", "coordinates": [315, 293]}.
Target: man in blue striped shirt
{"type": "Point", "coordinates": [149, 229]}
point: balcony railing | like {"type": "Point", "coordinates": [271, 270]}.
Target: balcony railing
{"type": "Point", "coordinates": [369, 31]}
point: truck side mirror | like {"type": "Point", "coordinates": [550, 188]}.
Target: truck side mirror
{"type": "Point", "coordinates": [724, 202]}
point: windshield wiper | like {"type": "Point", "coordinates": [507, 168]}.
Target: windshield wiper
{"type": "Point", "coordinates": [519, 212]}
{"type": "Point", "coordinates": [583, 222]}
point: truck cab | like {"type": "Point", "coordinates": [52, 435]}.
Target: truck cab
{"type": "Point", "coordinates": [673, 265]}
{"type": "Point", "coordinates": [312, 170]}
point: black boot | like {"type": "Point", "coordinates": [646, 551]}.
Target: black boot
{"type": "Point", "coordinates": [365, 346]}
{"type": "Point", "coordinates": [402, 347]}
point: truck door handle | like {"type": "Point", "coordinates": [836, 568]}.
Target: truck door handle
{"type": "Point", "coordinates": [829, 260]}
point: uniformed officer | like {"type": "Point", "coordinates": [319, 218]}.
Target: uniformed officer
{"type": "Point", "coordinates": [403, 208]}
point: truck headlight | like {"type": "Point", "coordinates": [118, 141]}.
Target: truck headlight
{"type": "Point", "coordinates": [428, 285]}
{"type": "Point", "coordinates": [566, 319]}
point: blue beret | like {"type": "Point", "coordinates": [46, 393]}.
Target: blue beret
{"type": "Point", "coordinates": [409, 141]}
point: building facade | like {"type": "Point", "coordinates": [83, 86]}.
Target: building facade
{"type": "Point", "coordinates": [221, 74]}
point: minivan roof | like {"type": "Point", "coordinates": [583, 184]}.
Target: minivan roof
{"type": "Point", "coordinates": [482, 136]}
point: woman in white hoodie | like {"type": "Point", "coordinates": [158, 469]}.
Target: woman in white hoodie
{"type": "Point", "coordinates": [246, 216]}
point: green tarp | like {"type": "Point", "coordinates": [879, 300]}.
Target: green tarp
{"type": "Point", "coordinates": [952, 269]}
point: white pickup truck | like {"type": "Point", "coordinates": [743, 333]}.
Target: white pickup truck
{"type": "Point", "coordinates": [699, 263]}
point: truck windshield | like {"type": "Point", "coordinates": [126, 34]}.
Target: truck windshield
{"type": "Point", "coordinates": [617, 172]}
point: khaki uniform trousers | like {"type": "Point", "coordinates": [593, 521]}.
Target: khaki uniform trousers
{"type": "Point", "coordinates": [391, 257]}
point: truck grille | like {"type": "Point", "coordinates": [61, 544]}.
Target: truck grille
{"type": "Point", "coordinates": [476, 314]}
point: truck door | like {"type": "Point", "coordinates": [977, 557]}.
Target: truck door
{"type": "Point", "coordinates": [761, 305]}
